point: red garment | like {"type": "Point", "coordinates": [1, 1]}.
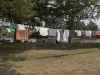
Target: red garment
{"type": "Point", "coordinates": [26, 33]}
{"type": "Point", "coordinates": [98, 32]}
{"type": "Point", "coordinates": [18, 37]}
{"type": "Point", "coordinates": [22, 34]}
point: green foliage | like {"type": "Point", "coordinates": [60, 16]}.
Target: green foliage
{"type": "Point", "coordinates": [92, 26]}
{"type": "Point", "coordinates": [4, 31]}
{"type": "Point", "coordinates": [17, 11]}
{"type": "Point", "coordinates": [72, 10]}
{"type": "Point", "coordinates": [79, 26]}
{"type": "Point", "coordinates": [31, 32]}
{"type": "Point", "coordinates": [10, 34]}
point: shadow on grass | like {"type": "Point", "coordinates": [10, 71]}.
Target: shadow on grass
{"type": "Point", "coordinates": [64, 46]}
{"type": "Point", "coordinates": [5, 69]}
{"type": "Point", "coordinates": [9, 51]}
{"type": "Point", "coordinates": [58, 56]}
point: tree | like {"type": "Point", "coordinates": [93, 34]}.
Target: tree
{"type": "Point", "coordinates": [76, 10]}
{"type": "Point", "coordinates": [17, 11]}
{"type": "Point", "coordinates": [72, 10]}
{"type": "Point", "coordinates": [92, 26]}
{"type": "Point", "coordinates": [79, 26]}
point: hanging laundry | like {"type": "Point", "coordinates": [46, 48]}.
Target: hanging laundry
{"type": "Point", "coordinates": [21, 27]}
{"type": "Point", "coordinates": [93, 33]}
{"type": "Point", "coordinates": [52, 32]}
{"type": "Point", "coordinates": [78, 32]}
{"type": "Point", "coordinates": [90, 33]}
{"type": "Point", "coordinates": [98, 32]}
{"type": "Point", "coordinates": [21, 34]}
{"type": "Point", "coordinates": [87, 33]}
{"type": "Point", "coordinates": [65, 35]}
{"type": "Point", "coordinates": [67, 32]}
{"type": "Point", "coordinates": [18, 33]}
{"type": "Point", "coordinates": [72, 33]}
{"type": "Point", "coordinates": [8, 24]}
{"type": "Point", "coordinates": [43, 31]}
{"type": "Point", "coordinates": [12, 26]}
{"type": "Point", "coordinates": [3, 23]}
{"type": "Point", "coordinates": [60, 35]}
{"type": "Point", "coordinates": [26, 34]}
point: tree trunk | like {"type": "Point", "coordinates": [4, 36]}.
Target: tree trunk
{"type": "Point", "coordinates": [70, 26]}
{"type": "Point", "coordinates": [69, 39]}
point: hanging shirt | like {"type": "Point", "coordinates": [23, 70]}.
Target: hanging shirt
{"type": "Point", "coordinates": [52, 32]}
{"type": "Point", "coordinates": [60, 35]}
{"type": "Point", "coordinates": [66, 35]}
{"type": "Point", "coordinates": [43, 31]}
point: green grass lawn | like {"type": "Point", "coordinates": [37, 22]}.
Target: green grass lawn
{"type": "Point", "coordinates": [49, 59]}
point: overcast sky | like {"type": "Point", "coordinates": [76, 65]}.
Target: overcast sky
{"type": "Point", "coordinates": [96, 21]}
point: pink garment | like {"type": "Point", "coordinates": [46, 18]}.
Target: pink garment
{"type": "Point", "coordinates": [87, 33]}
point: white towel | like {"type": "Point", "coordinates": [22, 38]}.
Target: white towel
{"type": "Point", "coordinates": [90, 33]}
{"type": "Point", "coordinates": [21, 27]}
{"type": "Point", "coordinates": [58, 35]}
{"type": "Point", "coordinates": [43, 31]}
{"type": "Point", "coordinates": [66, 35]}
{"type": "Point", "coordinates": [79, 32]}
